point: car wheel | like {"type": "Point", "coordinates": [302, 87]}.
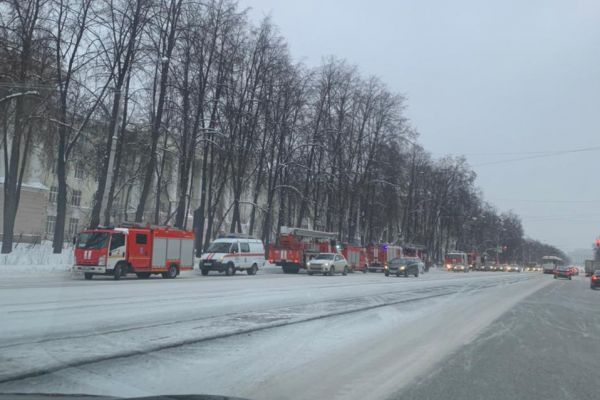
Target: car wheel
{"type": "Point", "coordinates": [406, 274]}
{"type": "Point", "coordinates": [117, 272]}
{"type": "Point", "coordinates": [569, 278]}
{"type": "Point", "coordinates": [555, 277]}
{"type": "Point", "coordinates": [229, 270]}
{"type": "Point", "coordinates": [204, 271]}
{"type": "Point", "coordinates": [310, 273]}
{"type": "Point", "coordinates": [417, 274]}
{"type": "Point", "coordinates": [345, 271]}
{"type": "Point", "coordinates": [365, 270]}
{"type": "Point", "coordinates": [331, 270]}
{"type": "Point", "coordinates": [171, 272]}
{"type": "Point", "coordinates": [252, 270]}
{"type": "Point", "coordinates": [387, 273]}
{"type": "Point", "coordinates": [398, 274]}
{"type": "Point", "coordinates": [88, 276]}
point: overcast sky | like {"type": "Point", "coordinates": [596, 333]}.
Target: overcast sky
{"type": "Point", "coordinates": [494, 80]}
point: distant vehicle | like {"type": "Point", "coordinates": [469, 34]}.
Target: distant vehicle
{"type": "Point", "coordinates": [575, 271]}
{"type": "Point", "coordinates": [455, 258]}
{"type": "Point", "coordinates": [460, 268]}
{"type": "Point", "coordinates": [296, 246]}
{"type": "Point", "coordinates": [379, 255]}
{"type": "Point", "coordinates": [231, 253]}
{"type": "Point", "coordinates": [488, 267]}
{"type": "Point", "coordinates": [591, 266]}
{"type": "Point", "coordinates": [328, 264]}
{"type": "Point", "coordinates": [513, 268]}
{"type": "Point", "coordinates": [356, 256]}
{"type": "Point", "coordinates": [550, 263]}
{"type": "Point", "coordinates": [595, 279]}
{"type": "Point", "coordinates": [402, 266]}
{"type": "Point", "coordinates": [531, 267]}
{"type": "Point", "coordinates": [563, 272]}
{"type": "Point", "coordinates": [134, 248]}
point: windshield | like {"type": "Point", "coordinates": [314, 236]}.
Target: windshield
{"type": "Point", "coordinates": [220, 247]}
{"type": "Point", "coordinates": [399, 261]}
{"type": "Point", "coordinates": [95, 240]}
{"type": "Point", "coordinates": [325, 257]}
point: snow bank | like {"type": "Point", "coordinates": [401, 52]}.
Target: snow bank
{"type": "Point", "coordinates": [26, 259]}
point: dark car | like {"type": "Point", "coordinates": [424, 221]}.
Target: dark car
{"type": "Point", "coordinates": [595, 280]}
{"type": "Point", "coordinates": [402, 266]}
{"type": "Point", "coordinates": [563, 272]}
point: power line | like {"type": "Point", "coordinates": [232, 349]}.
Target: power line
{"type": "Point", "coordinates": [540, 155]}
{"type": "Point", "coordinates": [548, 201]}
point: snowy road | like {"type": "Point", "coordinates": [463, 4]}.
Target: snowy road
{"type": "Point", "coordinates": [267, 336]}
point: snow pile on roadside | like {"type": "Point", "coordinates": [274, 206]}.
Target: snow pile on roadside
{"type": "Point", "coordinates": [27, 258]}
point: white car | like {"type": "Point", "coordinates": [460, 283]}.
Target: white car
{"type": "Point", "coordinates": [328, 264]}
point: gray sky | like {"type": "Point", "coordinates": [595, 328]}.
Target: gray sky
{"type": "Point", "coordinates": [481, 78]}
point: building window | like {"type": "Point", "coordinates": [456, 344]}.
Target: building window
{"type": "Point", "coordinates": [73, 225]}
{"type": "Point", "coordinates": [79, 172]}
{"type": "Point", "coordinates": [76, 198]}
{"type": "Point", "coordinates": [53, 194]}
{"type": "Point", "coordinates": [50, 224]}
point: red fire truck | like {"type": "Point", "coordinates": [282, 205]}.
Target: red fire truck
{"type": "Point", "coordinates": [296, 246]}
{"type": "Point", "coordinates": [474, 260]}
{"type": "Point", "coordinates": [143, 250]}
{"type": "Point", "coordinates": [356, 256]}
{"type": "Point", "coordinates": [456, 259]}
{"type": "Point", "coordinates": [378, 255]}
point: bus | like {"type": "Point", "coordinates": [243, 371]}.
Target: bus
{"type": "Point", "coordinates": [549, 263]}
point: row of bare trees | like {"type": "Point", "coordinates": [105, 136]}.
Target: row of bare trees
{"type": "Point", "coordinates": [187, 113]}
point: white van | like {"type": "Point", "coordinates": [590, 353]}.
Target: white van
{"type": "Point", "coordinates": [233, 253]}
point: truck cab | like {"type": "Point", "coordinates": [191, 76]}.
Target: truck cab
{"type": "Point", "coordinates": [98, 251]}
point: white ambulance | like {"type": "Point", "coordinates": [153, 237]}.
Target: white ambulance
{"type": "Point", "coordinates": [231, 253]}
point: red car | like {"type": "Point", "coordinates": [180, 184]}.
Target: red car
{"type": "Point", "coordinates": [563, 272]}
{"type": "Point", "coordinates": [574, 271]}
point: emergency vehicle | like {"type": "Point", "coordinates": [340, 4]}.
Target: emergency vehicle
{"type": "Point", "coordinates": [233, 252]}
{"type": "Point", "coordinates": [378, 256]}
{"type": "Point", "coordinates": [296, 246]}
{"type": "Point", "coordinates": [474, 260]}
{"type": "Point", "coordinates": [143, 250]}
{"type": "Point", "coordinates": [456, 259]}
{"type": "Point", "coordinates": [356, 257]}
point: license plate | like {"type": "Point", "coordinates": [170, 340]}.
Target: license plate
{"type": "Point", "coordinates": [208, 264]}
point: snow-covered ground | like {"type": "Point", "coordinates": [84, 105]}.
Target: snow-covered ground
{"type": "Point", "coordinates": [28, 259]}
{"type": "Point", "coordinates": [265, 336]}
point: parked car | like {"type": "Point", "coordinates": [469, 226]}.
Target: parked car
{"type": "Point", "coordinates": [402, 266]}
{"type": "Point", "coordinates": [233, 253]}
{"type": "Point", "coordinates": [595, 279]}
{"type": "Point", "coordinates": [328, 264]}
{"type": "Point", "coordinates": [562, 272]}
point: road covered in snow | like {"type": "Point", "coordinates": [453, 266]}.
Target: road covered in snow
{"type": "Point", "coordinates": [267, 336]}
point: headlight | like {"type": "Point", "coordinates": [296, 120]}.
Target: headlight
{"type": "Point", "coordinates": [102, 260]}
{"type": "Point", "coordinates": [402, 268]}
